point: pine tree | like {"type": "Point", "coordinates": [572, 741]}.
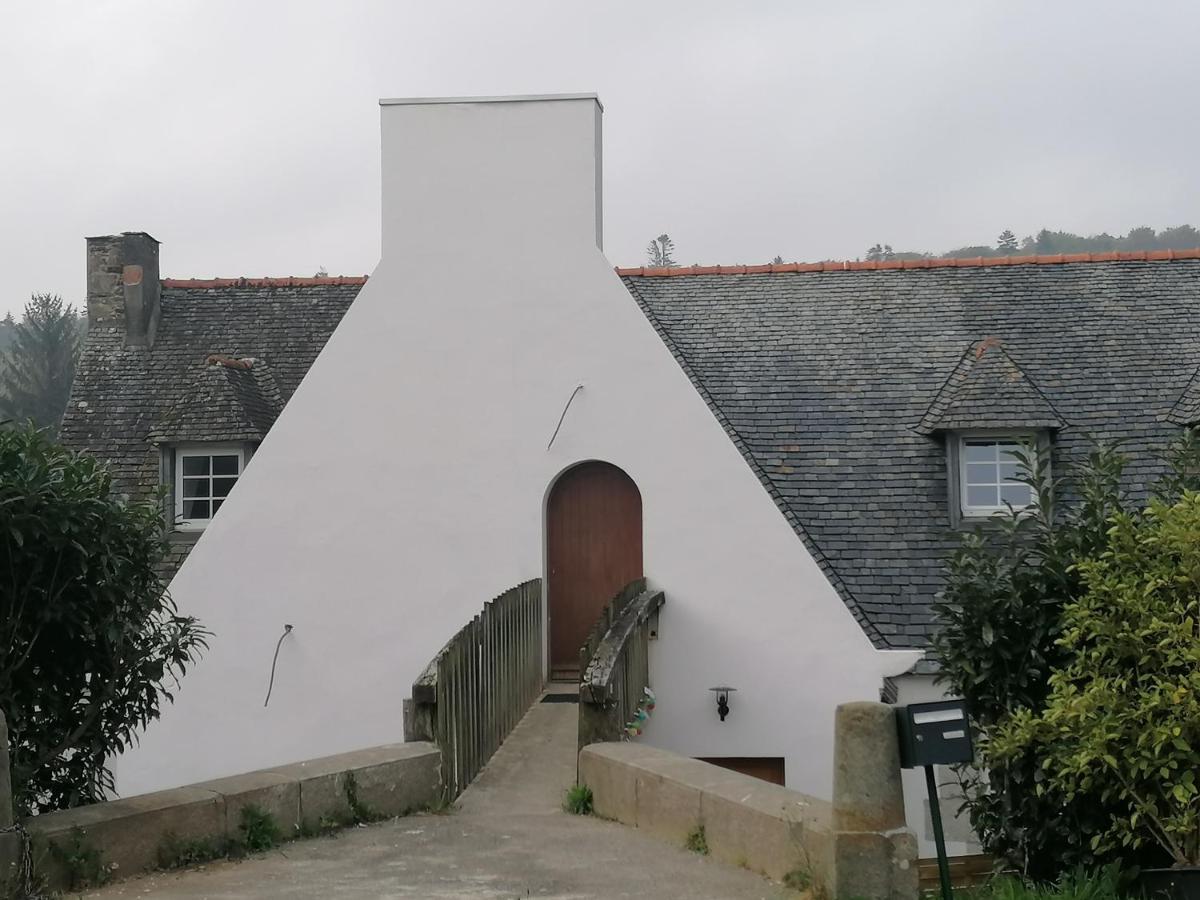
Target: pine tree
{"type": "Point", "coordinates": [8, 328]}
{"type": "Point", "coordinates": [36, 371]}
{"type": "Point", "coordinates": [658, 253]}
{"type": "Point", "coordinates": [1007, 242]}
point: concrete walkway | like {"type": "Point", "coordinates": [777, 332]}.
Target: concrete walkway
{"type": "Point", "coordinates": [508, 838]}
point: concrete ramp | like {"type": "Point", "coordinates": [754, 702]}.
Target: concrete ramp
{"type": "Point", "coordinates": [508, 838]}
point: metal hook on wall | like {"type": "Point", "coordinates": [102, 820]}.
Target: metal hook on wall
{"type": "Point", "coordinates": [578, 388]}
{"type": "Point", "coordinates": [287, 629]}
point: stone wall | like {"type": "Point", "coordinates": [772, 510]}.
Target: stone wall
{"type": "Point", "coordinates": [855, 847]}
{"type": "Point", "coordinates": [129, 833]}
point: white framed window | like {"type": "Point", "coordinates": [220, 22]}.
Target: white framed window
{"type": "Point", "coordinates": [989, 472]}
{"type": "Point", "coordinates": [204, 476]}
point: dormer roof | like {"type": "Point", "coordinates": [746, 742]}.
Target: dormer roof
{"type": "Point", "coordinates": [988, 389]}
{"type": "Point", "coordinates": [229, 399]}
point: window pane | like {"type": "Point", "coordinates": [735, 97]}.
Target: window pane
{"type": "Point", "coordinates": [1016, 494]}
{"type": "Point", "coordinates": [1009, 471]}
{"type": "Point", "coordinates": [195, 487]}
{"type": "Point", "coordinates": [225, 465]}
{"type": "Point", "coordinates": [981, 496]}
{"type": "Point", "coordinates": [217, 505]}
{"type": "Point", "coordinates": [981, 473]}
{"type": "Point", "coordinates": [980, 451]}
{"type": "Point", "coordinates": [222, 486]}
{"type": "Point", "coordinates": [195, 465]}
{"type": "Point", "coordinates": [1010, 452]}
{"type": "Point", "coordinates": [195, 509]}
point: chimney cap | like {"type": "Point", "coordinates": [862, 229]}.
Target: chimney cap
{"type": "Point", "coordinates": [502, 98]}
{"type": "Point", "coordinates": [144, 234]}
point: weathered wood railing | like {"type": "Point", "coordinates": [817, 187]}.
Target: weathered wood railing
{"type": "Point", "coordinates": [617, 673]}
{"type": "Point", "coordinates": [614, 609]}
{"type": "Point", "coordinates": [476, 689]}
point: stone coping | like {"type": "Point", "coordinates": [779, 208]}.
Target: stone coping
{"type": "Point", "coordinates": [747, 821]}
{"type": "Point", "coordinates": [128, 833]}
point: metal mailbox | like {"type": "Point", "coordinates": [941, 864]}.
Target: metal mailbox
{"type": "Point", "coordinates": [934, 734]}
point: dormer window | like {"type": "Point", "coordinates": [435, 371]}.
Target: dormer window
{"type": "Point", "coordinates": [989, 473]}
{"type": "Point", "coordinates": [204, 476]}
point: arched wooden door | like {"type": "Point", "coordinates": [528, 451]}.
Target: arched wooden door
{"type": "Point", "coordinates": [593, 549]}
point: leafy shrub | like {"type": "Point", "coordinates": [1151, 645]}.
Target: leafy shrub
{"type": "Point", "coordinates": [89, 639]}
{"type": "Point", "coordinates": [1122, 719]}
{"type": "Point", "coordinates": [1001, 618]}
{"type": "Point", "coordinates": [579, 800]}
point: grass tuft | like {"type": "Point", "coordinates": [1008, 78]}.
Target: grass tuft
{"type": "Point", "coordinates": [579, 800]}
{"type": "Point", "coordinates": [697, 841]}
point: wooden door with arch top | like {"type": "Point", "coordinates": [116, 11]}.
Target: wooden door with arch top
{"type": "Point", "coordinates": [593, 549]}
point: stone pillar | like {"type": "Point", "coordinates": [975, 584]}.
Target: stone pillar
{"type": "Point", "coordinates": [875, 854]}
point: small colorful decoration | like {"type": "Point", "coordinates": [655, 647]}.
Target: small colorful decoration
{"type": "Point", "coordinates": [641, 715]}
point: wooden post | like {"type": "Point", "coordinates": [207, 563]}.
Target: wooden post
{"type": "Point", "coordinates": [6, 797]}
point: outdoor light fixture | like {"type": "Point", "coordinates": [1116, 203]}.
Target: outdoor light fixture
{"type": "Point", "coordinates": [722, 700]}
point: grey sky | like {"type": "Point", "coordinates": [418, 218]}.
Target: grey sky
{"type": "Point", "coordinates": [244, 135]}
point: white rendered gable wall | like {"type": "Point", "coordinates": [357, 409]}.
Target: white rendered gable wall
{"type": "Point", "coordinates": [405, 482]}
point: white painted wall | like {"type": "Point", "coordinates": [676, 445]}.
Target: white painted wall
{"type": "Point", "coordinates": [404, 483]}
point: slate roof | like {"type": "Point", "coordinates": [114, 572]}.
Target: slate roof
{"type": "Point", "coordinates": [987, 389]}
{"type": "Point", "coordinates": [123, 398]}
{"type": "Point", "coordinates": [825, 376]}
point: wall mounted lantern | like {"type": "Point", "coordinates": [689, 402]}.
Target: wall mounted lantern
{"type": "Point", "coordinates": [722, 700]}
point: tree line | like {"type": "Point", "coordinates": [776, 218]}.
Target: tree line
{"type": "Point", "coordinates": [38, 354]}
{"type": "Point", "coordinates": [1181, 237]}
{"type": "Point", "coordinates": [660, 252]}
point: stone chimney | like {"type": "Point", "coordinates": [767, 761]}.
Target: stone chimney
{"type": "Point", "coordinates": [122, 285]}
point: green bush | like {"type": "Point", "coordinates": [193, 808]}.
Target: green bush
{"type": "Point", "coordinates": [1122, 720]}
{"type": "Point", "coordinates": [89, 639]}
{"type": "Point", "coordinates": [697, 841]}
{"type": "Point", "coordinates": [1001, 618]}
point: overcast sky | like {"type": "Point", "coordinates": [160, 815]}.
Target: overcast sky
{"type": "Point", "coordinates": [245, 135]}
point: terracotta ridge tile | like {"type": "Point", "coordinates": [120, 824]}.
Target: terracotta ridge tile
{"type": "Point", "coordinates": [861, 265]}
{"type": "Point", "coordinates": [281, 281]}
